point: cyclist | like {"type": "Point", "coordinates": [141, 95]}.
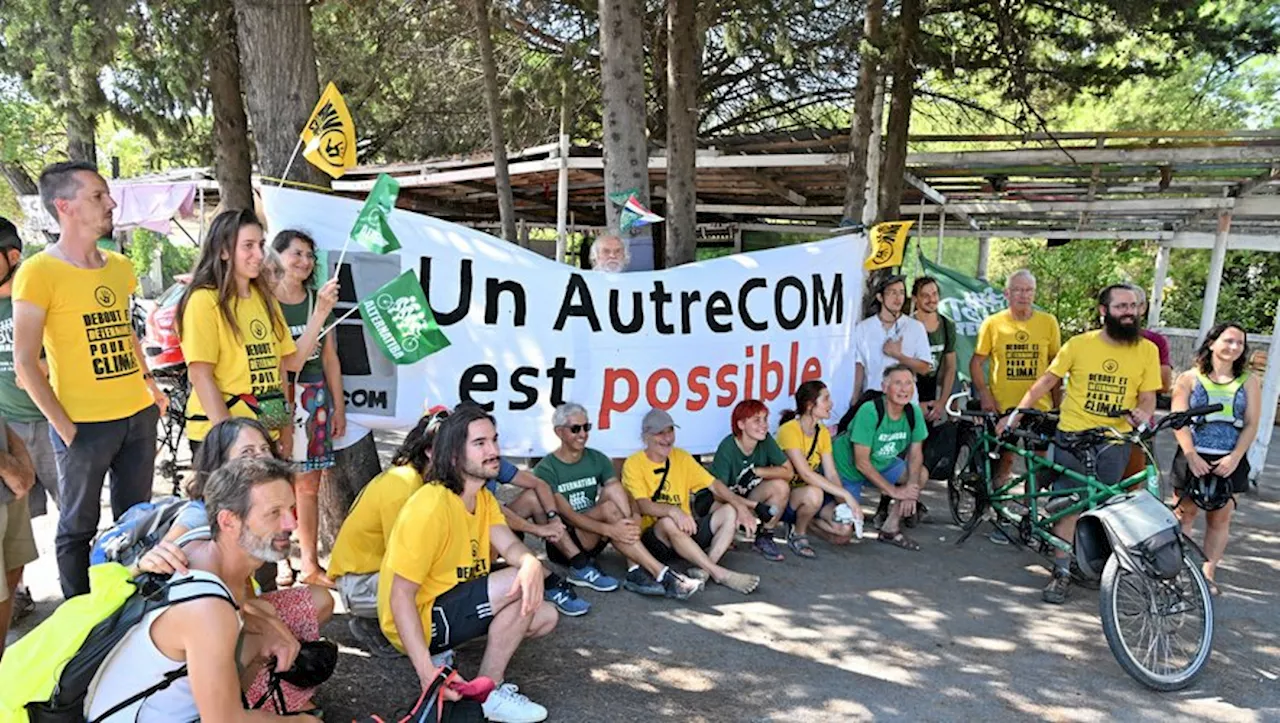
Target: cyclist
{"type": "Point", "coordinates": [1220, 447]}
{"type": "Point", "coordinates": [1112, 376]}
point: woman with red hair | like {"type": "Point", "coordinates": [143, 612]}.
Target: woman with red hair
{"type": "Point", "coordinates": [752, 464]}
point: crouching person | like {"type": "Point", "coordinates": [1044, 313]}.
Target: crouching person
{"type": "Point", "coordinates": [250, 505]}
{"type": "Point", "coordinates": [663, 478]}
{"type": "Point", "coordinates": [436, 588]}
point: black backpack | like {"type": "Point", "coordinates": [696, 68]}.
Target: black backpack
{"type": "Point", "coordinates": [876, 397]}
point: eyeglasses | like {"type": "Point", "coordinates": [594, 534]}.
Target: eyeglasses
{"type": "Point", "coordinates": [576, 428]}
{"type": "Point", "coordinates": [1125, 306]}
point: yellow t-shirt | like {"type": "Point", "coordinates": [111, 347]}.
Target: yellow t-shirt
{"type": "Point", "coordinates": [1103, 377]}
{"type": "Point", "coordinates": [1019, 353]}
{"type": "Point", "coordinates": [685, 476]}
{"type": "Point", "coordinates": [437, 544]}
{"type": "Point", "coordinates": [88, 338]}
{"type": "Point", "coordinates": [362, 539]}
{"type": "Point", "coordinates": [791, 436]}
{"type": "Point", "coordinates": [248, 364]}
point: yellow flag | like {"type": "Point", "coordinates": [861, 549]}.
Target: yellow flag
{"type": "Point", "coordinates": [888, 242]}
{"type": "Point", "coordinates": [330, 135]}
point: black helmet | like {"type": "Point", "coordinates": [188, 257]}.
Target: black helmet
{"type": "Point", "coordinates": [314, 664]}
{"type": "Point", "coordinates": [1210, 492]}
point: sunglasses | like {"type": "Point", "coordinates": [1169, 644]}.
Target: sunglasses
{"type": "Point", "coordinates": [576, 428]}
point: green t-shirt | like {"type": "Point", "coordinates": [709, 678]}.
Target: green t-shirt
{"type": "Point", "coordinates": [886, 440]}
{"type": "Point", "coordinates": [735, 469]}
{"type": "Point", "coordinates": [15, 404]}
{"type": "Point", "coordinates": [296, 317]}
{"type": "Point", "coordinates": [579, 482]}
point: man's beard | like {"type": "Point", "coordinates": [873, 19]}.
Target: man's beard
{"type": "Point", "coordinates": [261, 547]}
{"type": "Point", "coordinates": [611, 266]}
{"type": "Point", "coordinates": [1125, 333]}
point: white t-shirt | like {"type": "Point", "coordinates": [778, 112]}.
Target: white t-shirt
{"type": "Point", "coordinates": [871, 335]}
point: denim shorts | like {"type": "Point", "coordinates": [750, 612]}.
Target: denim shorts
{"type": "Point", "coordinates": [895, 474]}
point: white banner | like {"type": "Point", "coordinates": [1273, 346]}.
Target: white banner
{"type": "Point", "coordinates": [528, 333]}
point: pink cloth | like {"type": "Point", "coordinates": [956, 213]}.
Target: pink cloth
{"type": "Point", "coordinates": [1162, 345]}
{"type": "Point", "coordinates": [298, 612]}
{"type": "Point", "coordinates": [151, 205]}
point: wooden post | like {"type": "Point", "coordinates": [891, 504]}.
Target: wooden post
{"type": "Point", "coordinates": [1156, 303]}
{"type": "Point", "coordinates": [984, 252]}
{"type": "Point", "coordinates": [1213, 284]}
{"type": "Point", "coordinates": [562, 196]}
{"type": "Point", "coordinates": [942, 225]}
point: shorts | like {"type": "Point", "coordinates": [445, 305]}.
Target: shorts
{"type": "Point", "coordinates": [313, 441]}
{"type": "Point", "coordinates": [297, 611]}
{"type": "Point", "coordinates": [35, 435]}
{"type": "Point", "coordinates": [461, 614]}
{"type": "Point", "coordinates": [17, 542]}
{"type": "Point", "coordinates": [1109, 462]}
{"type": "Point", "coordinates": [1181, 472]}
{"type": "Point", "coordinates": [555, 555]}
{"type": "Point", "coordinates": [895, 474]}
{"type": "Point", "coordinates": [663, 552]}
{"type": "Point", "coordinates": [359, 593]}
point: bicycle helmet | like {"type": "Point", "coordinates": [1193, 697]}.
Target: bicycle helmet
{"type": "Point", "coordinates": [314, 664]}
{"type": "Point", "coordinates": [1210, 492]}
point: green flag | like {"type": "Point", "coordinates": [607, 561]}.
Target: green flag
{"type": "Point", "coordinates": [966, 301]}
{"type": "Point", "coordinates": [371, 229]}
{"type": "Point", "coordinates": [399, 318]}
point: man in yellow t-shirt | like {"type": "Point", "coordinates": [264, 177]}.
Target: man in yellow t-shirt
{"type": "Point", "coordinates": [72, 300]}
{"type": "Point", "coordinates": [1112, 376]}
{"type": "Point", "coordinates": [663, 479]}
{"type": "Point", "coordinates": [435, 586]}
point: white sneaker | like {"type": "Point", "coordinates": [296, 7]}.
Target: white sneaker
{"type": "Point", "coordinates": [443, 659]}
{"type": "Point", "coordinates": [506, 705]}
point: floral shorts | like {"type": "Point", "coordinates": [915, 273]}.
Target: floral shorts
{"type": "Point", "coordinates": [315, 399]}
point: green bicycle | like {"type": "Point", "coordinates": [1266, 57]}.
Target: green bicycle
{"type": "Point", "coordinates": [1157, 613]}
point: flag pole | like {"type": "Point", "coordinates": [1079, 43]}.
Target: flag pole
{"type": "Point", "coordinates": [338, 268]}
{"type": "Point", "coordinates": [296, 147]}
{"type": "Point", "coordinates": [339, 320]}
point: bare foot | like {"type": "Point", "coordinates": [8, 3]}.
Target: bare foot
{"type": "Point", "coordinates": [740, 582]}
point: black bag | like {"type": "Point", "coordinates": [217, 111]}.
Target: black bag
{"type": "Point", "coordinates": [433, 708]}
{"type": "Point", "coordinates": [940, 450]}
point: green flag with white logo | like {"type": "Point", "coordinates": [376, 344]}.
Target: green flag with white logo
{"type": "Point", "coordinates": [371, 229]}
{"type": "Point", "coordinates": [965, 301]}
{"type": "Point", "coordinates": [400, 320]}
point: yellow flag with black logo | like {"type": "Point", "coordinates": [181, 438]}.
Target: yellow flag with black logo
{"type": "Point", "coordinates": [888, 242]}
{"type": "Point", "coordinates": [330, 135]}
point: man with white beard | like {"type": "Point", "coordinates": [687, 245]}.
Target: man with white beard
{"type": "Point", "coordinates": [609, 253]}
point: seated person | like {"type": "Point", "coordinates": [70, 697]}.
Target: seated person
{"type": "Point", "coordinates": [888, 451]}
{"type": "Point", "coordinates": [362, 540]}
{"type": "Point", "coordinates": [436, 588]}
{"type": "Point", "coordinates": [752, 465]}
{"type": "Point", "coordinates": [597, 510]}
{"type": "Point", "coordinates": [250, 505]}
{"type": "Point", "coordinates": [662, 478]}
{"type": "Point", "coordinates": [815, 495]}
{"type": "Point", "coordinates": [232, 438]}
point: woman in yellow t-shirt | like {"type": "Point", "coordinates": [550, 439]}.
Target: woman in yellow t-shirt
{"type": "Point", "coordinates": [816, 490]}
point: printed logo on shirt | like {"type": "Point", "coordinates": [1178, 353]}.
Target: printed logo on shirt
{"type": "Point", "coordinates": [258, 329]}
{"type": "Point", "coordinates": [1106, 393]}
{"type": "Point", "coordinates": [1021, 361]}
{"type": "Point", "coordinates": [110, 336]}
{"type": "Point", "coordinates": [105, 297]}
{"type": "Point", "coordinates": [264, 367]}
{"type": "Point", "coordinates": [6, 345]}
{"type": "Point", "coordinates": [479, 566]}
{"type": "Point", "coordinates": [669, 498]}
{"type": "Point", "coordinates": [576, 493]}
{"type": "Point", "coordinates": [1111, 366]}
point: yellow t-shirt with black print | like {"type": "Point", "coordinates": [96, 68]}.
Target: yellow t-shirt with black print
{"type": "Point", "coordinates": [362, 539]}
{"type": "Point", "coordinates": [1019, 353]}
{"type": "Point", "coordinates": [684, 476]}
{"type": "Point", "coordinates": [791, 436]}
{"type": "Point", "coordinates": [247, 363]}
{"type": "Point", "coordinates": [1103, 378]}
{"type": "Point", "coordinates": [437, 544]}
{"type": "Point", "coordinates": [88, 337]}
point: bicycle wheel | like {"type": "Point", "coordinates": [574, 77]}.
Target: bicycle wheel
{"type": "Point", "coordinates": [1160, 631]}
{"type": "Point", "coordinates": [964, 488]}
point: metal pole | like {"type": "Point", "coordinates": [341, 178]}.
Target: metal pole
{"type": "Point", "coordinates": [984, 252]}
{"type": "Point", "coordinates": [201, 216]}
{"type": "Point", "coordinates": [1213, 283]}
{"type": "Point", "coordinates": [562, 200]}
{"type": "Point", "coordinates": [942, 225]}
{"type": "Point", "coordinates": [1157, 286]}
{"type": "Point", "coordinates": [1270, 397]}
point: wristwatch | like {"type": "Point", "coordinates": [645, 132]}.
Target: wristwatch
{"type": "Point", "coordinates": [552, 516]}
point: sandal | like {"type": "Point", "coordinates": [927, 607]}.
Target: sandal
{"type": "Point", "coordinates": [799, 544]}
{"type": "Point", "coordinates": [1214, 591]}
{"type": "Point", "coordinates": [897, 539]}
{"type": "Point", "coordinates": [319, 579]}
{"type": "Point", "coordinates": [286, 581]}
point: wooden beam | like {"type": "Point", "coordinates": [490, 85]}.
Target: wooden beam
{"type": "Point", "coordinates": [773, 186]}
{"type": "Point", "coordinates": [936, 196]}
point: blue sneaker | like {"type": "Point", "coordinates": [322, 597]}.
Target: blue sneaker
{"type": "Point", "coordinates": [566, 601]}
{"type": "Point", "coordinates": [590, 576]}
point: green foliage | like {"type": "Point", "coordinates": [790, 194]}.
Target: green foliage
{"type": "Point", "coordinates": [1250, 288]}
{"type": "Point", "coordinates": [174, 258]}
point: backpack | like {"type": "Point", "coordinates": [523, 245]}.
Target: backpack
{"type": "Point", "coordinates": [48, 673]}
{"type": "Point", "coordinates": [876, 397]}
{"type": "Point", "coordinates": [139, 529]}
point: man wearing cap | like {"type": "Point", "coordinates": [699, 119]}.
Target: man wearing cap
{"type": "Point", "coordinates": [21, 414]}
{"type": "Point", "coordinates": [888, 338]}
{"type": "Point", "coordinates": [663, 479]}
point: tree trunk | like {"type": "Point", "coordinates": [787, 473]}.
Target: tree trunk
{"type": "Point", "coordinates": [18, 178]}
{"type": "Point", "coordinates": [855, 193]}
{"type": "Point", "coordinates": [281, 85]}
{"type": "Point", "coordinates": [904, 80]}
{"type": "Point", "coordinates": [232, 165]}
{"type": "Point", "coordinates": [493, 101]}
{"type": "Point", "coordinates": [626, 152]}
{"type": "Point", "coordinates": [81, 144]}
{"type": "Point", "coordinates": [682, 126]}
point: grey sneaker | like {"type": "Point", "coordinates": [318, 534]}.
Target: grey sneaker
{"type": "Point", "coordinates": [1055, 593]}
{"type": "Point", "coordinates": [641, 582]}
{"type": "Point", "coordinates": [678, 586]}
{"type": "Point", "coordinates": [997, 537]}
{"type": "Point", "coordinates": [23, 604]}
{"type": "Point", "coordinates": [369, 633]}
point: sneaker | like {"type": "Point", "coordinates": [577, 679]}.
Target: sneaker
{"type": "Point", "coordinates": [767, 548]}
{"type": "Point", "coordinates": [23, 604]}
{"type": "Point", "coordinates": [506, 705]}
{"type": "Point", "coordinates": [996, 536]}
{"type": "Point", "coordinates": [678, 586]}
{"type": "Point", "coordinates": [1055, 593]}
{"type": "Point", "coordinates": [444, 658]}
{"type": "Point", "coordinates": [590, 576]}
{"type": "Point", "coordinates": [639, 581]}
{"type": "Point", "coordinates": [566, 600]}
{"type": "Point", "coordinates": [369, 634]}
